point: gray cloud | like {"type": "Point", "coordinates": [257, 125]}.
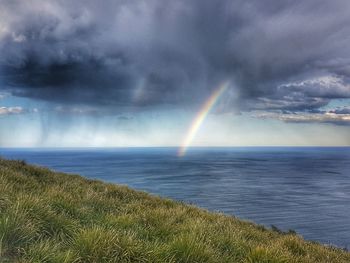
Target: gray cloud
{"type": "Point", "coordinates": [341, 110]}
{"type": "Point", "coordinates": [309, 94]}
{"type": "Point", "coordinates": [278, 56]}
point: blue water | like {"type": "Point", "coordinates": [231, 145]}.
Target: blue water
{"type": "Point", "coordinates": [305, 189]}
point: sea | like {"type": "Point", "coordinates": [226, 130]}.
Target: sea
{"type": "Point", "coordinates": [306, 189]}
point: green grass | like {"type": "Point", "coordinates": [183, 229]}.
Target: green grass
{"type": "Point", "coordinates": [55, 217]}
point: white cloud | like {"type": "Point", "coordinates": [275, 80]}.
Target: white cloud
{"type": "Point", "coordinates": [11, 110]}
{"type": "Point", "coordinates": [304, 117]}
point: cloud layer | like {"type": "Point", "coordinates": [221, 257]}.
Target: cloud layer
{"type": "Point", "coordinates": [279, 56]}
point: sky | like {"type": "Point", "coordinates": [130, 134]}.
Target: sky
{"type": "Point", "coordinates": [118, 73]}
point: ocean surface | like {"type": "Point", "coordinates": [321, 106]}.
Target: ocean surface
{"type": "Point", "coordinates": [304, 189]}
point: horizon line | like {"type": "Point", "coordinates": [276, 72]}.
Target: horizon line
{"type": "Point", "coordinates": [191, 147]}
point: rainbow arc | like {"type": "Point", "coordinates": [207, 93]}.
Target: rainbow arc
{"type": "Point", "coordinates": [200, 117]}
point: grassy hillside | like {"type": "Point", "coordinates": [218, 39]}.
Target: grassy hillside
{"type": "Point", "coordinates": [55, 217]}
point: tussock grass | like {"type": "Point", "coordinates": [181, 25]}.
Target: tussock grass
{"type": "Point", "coordinates": [55, 217]}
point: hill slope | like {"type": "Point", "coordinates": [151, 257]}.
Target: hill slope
{"type": "Point", "coordinates": [55, 217]}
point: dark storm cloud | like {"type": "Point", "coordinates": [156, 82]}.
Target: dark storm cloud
{"type": "Point", "coordinates": [278, 55]}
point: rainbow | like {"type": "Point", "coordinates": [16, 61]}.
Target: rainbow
{"type": "Point", "coordinates": [200, 117]}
